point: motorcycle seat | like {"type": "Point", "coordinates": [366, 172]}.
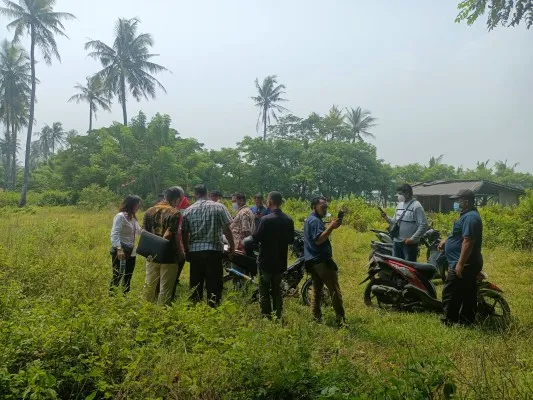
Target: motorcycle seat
{"type": "Point", "coordinates": [426, 270]}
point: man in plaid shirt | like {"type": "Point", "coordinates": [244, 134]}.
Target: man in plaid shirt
{"type": "Point", "coordinates": [243, 224]}
{"type": "Point", "coordinates": [202, 227]}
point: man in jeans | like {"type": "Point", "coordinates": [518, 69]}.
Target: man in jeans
{"type": "Point", "coordinates": [203, 224]}
{"type": "Point", "coordinates": [163, 220]}
{"type": "Point", "coordinates": [412, 221]}
{"type": "Point", "coordinates": [319, 259]}
{"type": "Point", "coordinates": [274, 233]}
{"type": "Point", "coordinates": [463, 252]}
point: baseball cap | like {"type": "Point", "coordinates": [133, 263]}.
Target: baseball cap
{"type": "Point", "coordinates": [464, 194]}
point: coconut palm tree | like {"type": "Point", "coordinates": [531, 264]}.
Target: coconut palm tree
{"type": "Point", "coordinates": [15, 89]}
{"type": "Point", "coordinates": [359, 122]}
{"type": "Point", "coordinates": [38, 19]}
{"type": "Point", "coordinates": [96, 94]}
{"type": "Point", "coordinates": [269, 94]}
{"type": "Point", "coordinates": [45, 142]}
{"type": "Point", "coordinates": [57, 136]}
{"type": "Point", "coordinates": [126, 65]}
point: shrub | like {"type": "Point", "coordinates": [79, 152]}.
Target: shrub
{"type": "Point", "coordinates": [9, 199]}
{"type": "Point", "coordinates": [95, 197]}
{"type": "Point", "coordinates": [56, 198]}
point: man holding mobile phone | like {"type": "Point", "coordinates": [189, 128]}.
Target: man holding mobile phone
{"type": "Point", "coordinates": [319, 259]}
{"type": "Point", "coordinates": [411, 221]}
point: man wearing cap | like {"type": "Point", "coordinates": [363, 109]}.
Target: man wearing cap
{"type": "Point", "coordinates": [412, 221]}
{"type": "Point", "coordinates": [463, 252]}
{"type": "Point", "coordinates": [274, 233]}
{"type": "Point", "coordinates": [259, 210]}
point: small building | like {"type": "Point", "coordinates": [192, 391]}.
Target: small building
{"type": "Point", "coordinates": [434, 196]}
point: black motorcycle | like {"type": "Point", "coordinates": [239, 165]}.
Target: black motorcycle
{"type": "Point", "coordinates": [242, 267]}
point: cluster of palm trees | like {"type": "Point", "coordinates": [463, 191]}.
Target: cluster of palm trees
{"type": "Point", "coordinates": [355, 122]}
{"type": "Point", "coordinates": [126, 68]}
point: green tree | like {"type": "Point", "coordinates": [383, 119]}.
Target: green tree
{"type": "Point", "coordinates": [15, 88]}
{"type": "Point", "coordinates": [126, 64]}
{"type": "Point", "coordinates": [359, 123]}
{"type": "Point", "coordinates": [269, 95]}
{"type": "Point", "coordinates": [38, 19]}
{"type": "Point", "coordinates": [96, 94]}
{"type": "Point", "coordinates": [500, 12]}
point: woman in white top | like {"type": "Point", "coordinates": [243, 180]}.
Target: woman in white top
{"type": "Point", "coordinates": [125, 230]}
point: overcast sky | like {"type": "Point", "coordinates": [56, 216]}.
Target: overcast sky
{"type": "Point", "coordinates": [436, 87]}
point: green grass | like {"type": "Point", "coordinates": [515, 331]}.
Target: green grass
{"type": "Point", "coordinates": [63, 336]}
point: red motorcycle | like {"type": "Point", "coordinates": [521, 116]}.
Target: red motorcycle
{"type": "Point", "coordinates": [397, 284]}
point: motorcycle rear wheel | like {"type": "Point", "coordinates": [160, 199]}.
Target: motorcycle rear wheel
{"type": "Point", "coordinates": [493, 311]}
{"type": "Point", "coordinates": [307, 293]}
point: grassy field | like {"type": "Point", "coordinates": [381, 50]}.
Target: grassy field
{"type": "Point", "coordinates": [63, 336]}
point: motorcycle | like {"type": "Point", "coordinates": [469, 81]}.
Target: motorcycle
{"type": "Point", "coordinates": [431, 240]}
{"type": "Point", "coordinates": [242, 267]}
{"type": "Point", "coordinates": [397, 284]}
{"type": "Point", "coordinates": [383, 236]}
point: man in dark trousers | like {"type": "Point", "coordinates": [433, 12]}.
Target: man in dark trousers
{"type": "Point", "coordinates": [274, 233]}
{"type": "Point", "coordinates": [463, 252]}
{"type": "Point", "coordinates": [202, 228]}
{"type": "Point", "coordinates": [319, 259]}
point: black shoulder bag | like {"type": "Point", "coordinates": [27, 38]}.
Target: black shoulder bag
{"type": "Point", "coordinates": [394, 230]}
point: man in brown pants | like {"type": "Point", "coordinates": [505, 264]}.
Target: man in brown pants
{"type": "Point", "coordinates": [319, 259]}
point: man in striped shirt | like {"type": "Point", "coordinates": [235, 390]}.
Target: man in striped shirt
{"type": "Point", "coordinates": [202, 228]}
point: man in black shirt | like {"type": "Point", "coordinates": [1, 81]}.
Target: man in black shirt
{"type": "Point", "coordinates": [274, 233]}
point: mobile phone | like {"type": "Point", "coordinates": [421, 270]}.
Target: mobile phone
{"type": "Point", "coordinates": [340, 215]}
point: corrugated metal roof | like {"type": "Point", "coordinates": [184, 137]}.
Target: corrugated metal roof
{"type": "Point", "coordinates": [449, 188]}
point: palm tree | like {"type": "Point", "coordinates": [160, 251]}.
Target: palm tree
{"type": "Point", "coordinates": [126, 64]}
{"type": "Point", "coordinates": [57, 137]}
{"type": "Point", "coordinates": [434, 161]}
{"type": "Point", "coordinates": [269, 95]}
{"type": "Point", "coordinates": [38, 19]}
{"type": "Point", "coordinates": [96, 94]}
{"type": "Point", "coordinates": [359, 123]}
{"type": "Point", "coordinates": [45, 142]}
{"type": "Point", "coordinates": [15, 89]}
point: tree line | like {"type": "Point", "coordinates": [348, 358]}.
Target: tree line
{"type": "Point", "coordinates": [301, 157]}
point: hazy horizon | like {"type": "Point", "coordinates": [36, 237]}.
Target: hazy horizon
{"type": "Point", "coordinates": [436, 87]}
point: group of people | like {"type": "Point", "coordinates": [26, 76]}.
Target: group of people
{"type": "Point", "coordinates": [462, 249]}
{"type": "Point", "coordinates": [197, 233]}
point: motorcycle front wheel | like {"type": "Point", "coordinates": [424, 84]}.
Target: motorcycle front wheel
{"type": "Point", "coordinates": [493, 311]}
{"type": "Point", "coordinates": [307, 293]}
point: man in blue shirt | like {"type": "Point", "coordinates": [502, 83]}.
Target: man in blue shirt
{"type": "Point", "coordinates": [463, 252]}
{"type": "Point", "coordinates": [259, 210]}
{"type": "Point", "coordinates": [319, 259]}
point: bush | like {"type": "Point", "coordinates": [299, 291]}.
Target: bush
{"type": "Point", "coordinates": [95, 197]}
{"type": "Point", "coordinates": [56, 198]}
{"type": "Point", "coordinates": [9, 199]}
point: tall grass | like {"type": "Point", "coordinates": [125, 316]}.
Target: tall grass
{"type": "Point", "coordinates": [63, 336]}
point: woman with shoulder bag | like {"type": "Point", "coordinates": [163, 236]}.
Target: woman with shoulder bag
{"type": "Point", "coordinates": [125, 230]}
